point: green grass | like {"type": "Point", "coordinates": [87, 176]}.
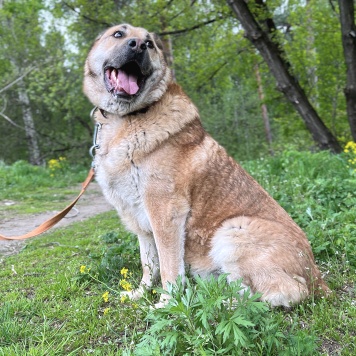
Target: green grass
{"type": "Point", "coordinates": [26, 189]}
{"type": "Point", "coordinates": [48, 307]}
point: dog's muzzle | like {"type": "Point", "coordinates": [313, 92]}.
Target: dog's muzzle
{"type": "Point", "coordinates": [125, 75]}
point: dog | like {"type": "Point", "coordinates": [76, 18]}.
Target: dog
{"type": "Point", "coordinates": [177, 189]}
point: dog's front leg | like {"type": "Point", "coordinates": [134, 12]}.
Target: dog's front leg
{"type": "Point", "coordinates": [168, 219]}
{"type": "Point", "coordinates": [149, 260]}
{"type": "Point", "coordinates": [150, 266]}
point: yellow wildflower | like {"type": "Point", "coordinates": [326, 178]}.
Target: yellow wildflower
{"type": "Point", "coordinates": [83, 269]}
{"type": "Point", "coordinates": [56, 164]}
{"type": "Point", "coordinates": [106, 297]}
{"type": "Point", "coordinates": [125, 285]}
{"type": "Point", "coordinates": [350, 146]}
{"type": "Point", "coordinates": [350, 149]}
{"type": "Point", "coordinates": [106, 311]}
{"type": "Point", "coordinates": [124, 272]}
{"type": "Point", "coordinates": [53, 164]}
{"type": "Point", "coordinates": [123, 298]}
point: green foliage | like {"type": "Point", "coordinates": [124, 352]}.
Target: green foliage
{"type": "Point", "coordinates": [21, 177]}
{"type": "Point", "coordinates": [44, 311]}
{"type": "Point", "coordinates": [213, 62]}
{"type": "Point", "coordinates": [121, 251]}
{"type": "Point", "coordinates": [213, 317]}
{"type": "Point", "coordinates": [315, 51]}
{"type": "Point", "coordinates": [33, 189]}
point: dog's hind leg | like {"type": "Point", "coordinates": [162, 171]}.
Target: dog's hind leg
{"type": "Point", "coordinates": [269, 259]}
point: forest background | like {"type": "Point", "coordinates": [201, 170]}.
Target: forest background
{"type": "Point", "coordinates": [43, 45]}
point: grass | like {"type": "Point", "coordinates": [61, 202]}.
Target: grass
{"type": "Point", "coordinates": [26, 189]}
{"type": "Point", "coordinates": [50, 304]}
{"type": "Point", "coordinates": [46, 309]}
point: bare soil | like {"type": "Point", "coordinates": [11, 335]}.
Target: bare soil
{"type": "Point", "coordinates": [90, 204]}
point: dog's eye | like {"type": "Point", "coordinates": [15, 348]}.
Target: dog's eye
{"type": "Point", "coordinates": [118, 34]}
{"type": "Point", "coordinates": [149, 44]}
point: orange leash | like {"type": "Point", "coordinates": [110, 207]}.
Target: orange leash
{"type": "Point", "coordinates": [55, 219]}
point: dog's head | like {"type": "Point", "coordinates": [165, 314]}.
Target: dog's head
{"type": "Point", "coordinates": [125, 70]}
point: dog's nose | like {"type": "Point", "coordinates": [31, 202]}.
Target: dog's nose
{"type": "Point", "coordinates": [136, 44]}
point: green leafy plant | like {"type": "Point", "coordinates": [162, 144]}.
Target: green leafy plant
{"type": "Point", "coordinates": [213, 317]}
{"type": "Point", "coordinates": [350, 150]}
{"type": "Point", "coordinates": [120, 251]}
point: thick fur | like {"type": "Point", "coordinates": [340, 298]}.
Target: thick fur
{"type": "Point", "coordinates": [189, 202]}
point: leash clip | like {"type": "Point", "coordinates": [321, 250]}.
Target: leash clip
{"type": "Point", "coordinates": [95, 145]}
{"type": "Point", "coordinates": [97, 128]}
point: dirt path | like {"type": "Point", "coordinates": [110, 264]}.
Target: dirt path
{"type": "Point", "coordinates": [90, 204]}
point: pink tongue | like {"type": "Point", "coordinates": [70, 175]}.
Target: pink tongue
{"type": "Point", "coordinates": [127, 82]}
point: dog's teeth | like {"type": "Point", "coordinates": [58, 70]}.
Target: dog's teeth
{"type": "Point", "coordinates": [113, 75]}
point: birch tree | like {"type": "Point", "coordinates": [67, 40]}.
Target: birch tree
{"type": "Point", "coordinates": [18, 64]}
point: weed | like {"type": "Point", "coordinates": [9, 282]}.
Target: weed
{"type": "Point", "coordinates": [213, 317]}
{"type": "Point", "coordinates": [121, 251]}
{"type": "Point", "coordinates": [350, 150]}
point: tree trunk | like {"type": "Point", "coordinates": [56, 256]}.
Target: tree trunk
{"type": "Point", "coordinates": [264, 110]}
{"type": "Point", "coordinates": [286, 83]}
{"type": "Point", "coordinates": [348, 30]}
{"type": "Point", "coordinates": [167, 47]}
{"type": "Point", "coordinates": [24, 101]}
{"type": "Point", "coordinates": [311, 53]}
{"type": "Point", "coordinates": [29, 125]}
{"type": "Point", "coordinates": [168, 53]}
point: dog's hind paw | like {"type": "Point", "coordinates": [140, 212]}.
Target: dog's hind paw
{"type": "Point", "coordinates": [163, 300]}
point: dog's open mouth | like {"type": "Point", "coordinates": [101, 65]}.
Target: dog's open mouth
{"type": "Point", "coordinates": [125, 81]}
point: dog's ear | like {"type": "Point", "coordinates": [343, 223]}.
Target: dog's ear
{"type": "Point", "coordinates": [157, 40]}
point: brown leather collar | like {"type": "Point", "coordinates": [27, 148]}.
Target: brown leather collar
{"type": "Point", "coordinates": [140, 111]}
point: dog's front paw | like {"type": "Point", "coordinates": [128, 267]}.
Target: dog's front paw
{"type": "Point", "coordinates": [134, 294]}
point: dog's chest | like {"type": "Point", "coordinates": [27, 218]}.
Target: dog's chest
{"type": "Point", "coordinates": [119, 173]}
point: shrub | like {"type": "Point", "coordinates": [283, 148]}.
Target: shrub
{"type": "Point", "coordinates": [213, 317]}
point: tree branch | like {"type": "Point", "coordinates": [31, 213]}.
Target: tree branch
{"type": "Point", "coordinates": [49, 153]}
{"type": "Point", "coordinates": [212, 75]}
{"type": "Point", "coordinates": [86, 17]}
{"type": "Point", "coordinates": [332, 6]}
{"type": "Point", "coordinates": [161, 10]}
{"type": "Point", "coordinates": [8, 86]}
{"type": "Point", "coordinates": [184, 30]}
{"type": "Point", "coordinates": [11, 122]}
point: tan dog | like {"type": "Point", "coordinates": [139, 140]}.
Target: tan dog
{"type": "Point", "coordinates": [188, 202]}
